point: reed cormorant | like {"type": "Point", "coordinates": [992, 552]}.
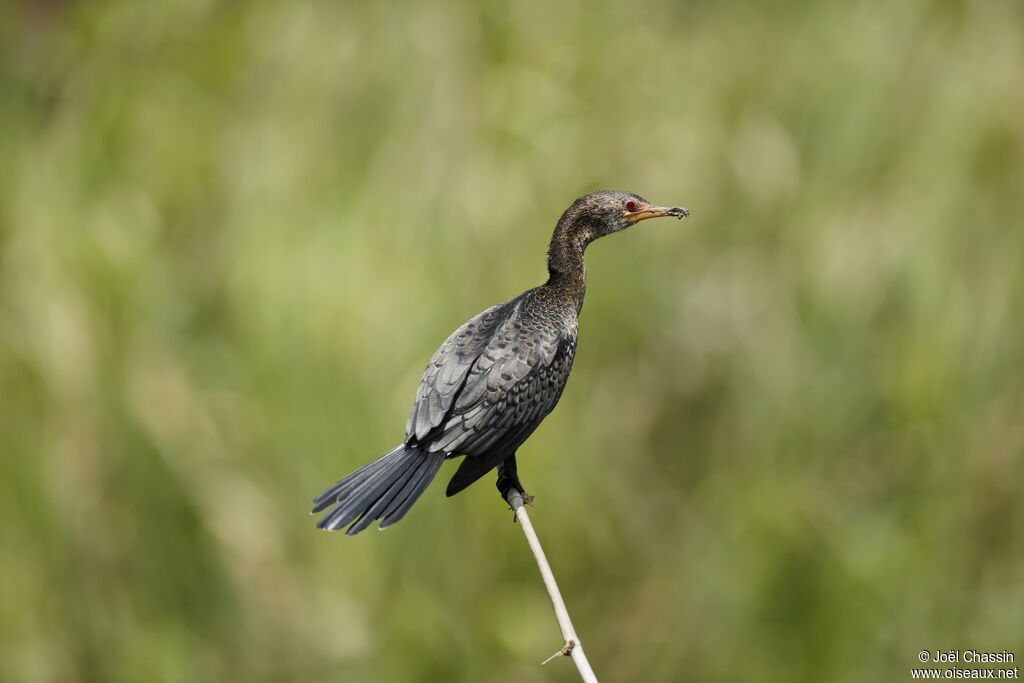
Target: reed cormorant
{"type": "Point", "coordinates": [492, 381]}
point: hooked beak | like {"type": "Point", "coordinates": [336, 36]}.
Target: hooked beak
{"type": "Point", "coordinates": [645, 212]}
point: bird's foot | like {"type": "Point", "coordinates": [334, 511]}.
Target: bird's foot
{"type": "Point", "coordinates": [527, 500]}
{"type": "Point", "coordinates": [506, 485]}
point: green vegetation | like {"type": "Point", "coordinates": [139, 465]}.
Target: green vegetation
{"type": "Point", "coordinates": [232, 234]}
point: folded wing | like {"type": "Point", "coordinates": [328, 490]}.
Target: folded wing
{"type": "Point", "coordinates": [447, 370]}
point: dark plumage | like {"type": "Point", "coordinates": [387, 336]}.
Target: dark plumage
{"type": "Point", "coordinates": [492, 381]}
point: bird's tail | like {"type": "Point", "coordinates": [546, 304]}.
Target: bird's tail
{"type": "Point", "coordinates": [385, 490]}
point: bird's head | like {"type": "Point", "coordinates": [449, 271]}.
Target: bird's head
{"type": "Point", "coordinates": [603, 212]}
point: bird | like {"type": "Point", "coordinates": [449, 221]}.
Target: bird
{"type": "Point", "coordinates": [492, 382]}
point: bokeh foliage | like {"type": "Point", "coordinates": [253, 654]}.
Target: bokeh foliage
{"type": "Point", "coordinates": [231, 234]}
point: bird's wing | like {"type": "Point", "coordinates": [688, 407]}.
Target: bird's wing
{"type": "Point", "coordinates": [515, 382]}
{"type": "Point", "coordinates": [446, 372]}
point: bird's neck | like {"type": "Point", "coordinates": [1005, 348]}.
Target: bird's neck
{"type": "Point", "coordinates": [567, 273]}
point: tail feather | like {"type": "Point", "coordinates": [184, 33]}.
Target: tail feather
{"type": "Point", "coordinates": [386, 498]}
{"type": "Point", "coordinates": [334, 493]}
{"type": "Point", "coordinates": [343, 488]}
{"type": "Point", "coordinates": [416, 486]}
{"type": "Point", "coordinates": [365, 494]}
{"type": "Point", "coordinates": [385, 490]}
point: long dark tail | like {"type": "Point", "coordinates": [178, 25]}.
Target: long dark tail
{"type": "Point", "coordinates": [385, 490]}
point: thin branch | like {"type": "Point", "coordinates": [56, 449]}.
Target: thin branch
{"type": "Point", "coordinates": [573, 647]}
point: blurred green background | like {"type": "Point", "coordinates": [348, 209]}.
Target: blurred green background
{"type": "Point", "coordinates": [232, 234]}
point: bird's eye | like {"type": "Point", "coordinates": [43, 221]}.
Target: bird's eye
{"type": "Point", "coordinates": [630, 205]}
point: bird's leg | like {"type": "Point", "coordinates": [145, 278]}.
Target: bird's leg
{"type": "Point", "coordinates": [508, 479]}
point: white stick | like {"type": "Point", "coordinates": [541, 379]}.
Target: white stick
{"type": "Point", "coordinates": [573, 647]}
